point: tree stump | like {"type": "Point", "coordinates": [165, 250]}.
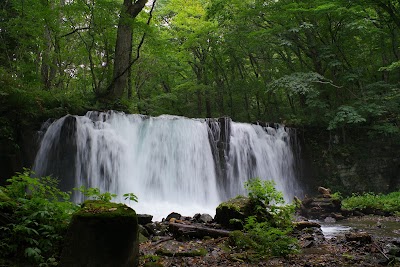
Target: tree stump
{"type": "Point", "coordinates": [102, 234]}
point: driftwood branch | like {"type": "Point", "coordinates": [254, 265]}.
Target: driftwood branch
{"type": "Point", "coordinates": [380, 250]}
{"type": "Point", "coordinates": [178, 229]}
{"type": "Point", "coordinates": [162, 240]}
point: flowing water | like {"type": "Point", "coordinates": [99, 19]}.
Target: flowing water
{"type": "Point", "coordinates": [377, 226]}
{"type": "Point", "coordinates": [171, 163]}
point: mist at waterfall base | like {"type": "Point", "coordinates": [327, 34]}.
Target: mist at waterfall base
{"type": "Point", "coordinates": [172, 164]}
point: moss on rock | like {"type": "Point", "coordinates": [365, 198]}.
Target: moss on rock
{"type": "Point", "coordinates": [103, 209]}
{"type": "Point", "coordinates": [240, 240]}
{"type": "Point", "coordinates": [233, 213]}
{"type": "Point", "coordinates": [190, 253]}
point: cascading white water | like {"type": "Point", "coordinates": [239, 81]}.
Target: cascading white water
{"type": "Point", "coordinates": [169, 162]}
{"type": "Point", "coordinates": [262, 152]}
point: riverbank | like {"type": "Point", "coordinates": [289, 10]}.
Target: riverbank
{"type": "Point", "coordinates": [350, 248]}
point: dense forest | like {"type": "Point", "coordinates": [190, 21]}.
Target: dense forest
{"type": "Point", "coordinates": [331, 64]}
{"type": "Point", "coordinates": [328, 68]}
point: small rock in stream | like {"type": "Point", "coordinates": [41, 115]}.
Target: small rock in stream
{"type": "Point", "coordinates": [203, 218]}
{"type": "Point", "coordinates": [144, 218]}
{"type": "Point", "coordinates": [173, 215]}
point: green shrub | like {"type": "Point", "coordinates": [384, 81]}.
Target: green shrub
{"type": "Point", "coordinates": [38, 218]}
{"type": "Point", "coordinates": [95, 194]}
{"type": "Point", "coordinates": [268, 240]}
{"type": "Point", "coordinates": [269, 236]}
{"type": "Point", "coordinates": [387, 203]}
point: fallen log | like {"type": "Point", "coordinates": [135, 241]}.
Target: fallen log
{"type": "Point", "coordinates": [162, 240]}
{"type": "Point", "coordinates": [178, 229]}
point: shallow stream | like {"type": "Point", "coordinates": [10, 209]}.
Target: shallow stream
{"type": "Point", "coordinates": [377, 226]}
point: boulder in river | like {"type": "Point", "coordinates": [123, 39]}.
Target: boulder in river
{"type": "Point", "coordinates": [173, 215]}
{"type": "Point", "coordinates": [233, 213]}
{"type": "Point", "coordinates": [322, 206]}
{"type": "Point", "coordinates": [144, 219]}
{"type": "Point", "coordinates": [203, 218]}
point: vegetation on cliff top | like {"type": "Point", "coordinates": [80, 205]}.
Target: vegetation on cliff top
{"type": "Point", "coordinates": [310, 62]}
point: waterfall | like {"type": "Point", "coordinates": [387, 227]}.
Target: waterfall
{"type": "Point", "coordinates": [171, 163]}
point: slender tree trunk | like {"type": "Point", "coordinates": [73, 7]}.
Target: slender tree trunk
{"type": "Point", "coordinates": [123, 48]}
{"type": "Point", "coordinates": [199, 103]}
{"type": "Point", "coordinates": [47, 69]}
{"type": "Point", "coordinates": [208, 104]}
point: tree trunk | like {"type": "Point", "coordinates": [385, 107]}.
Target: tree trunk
{"type": "Point", "coordinates": [123, 48]}
{"type": "Point", "coordinates": [47, 69]}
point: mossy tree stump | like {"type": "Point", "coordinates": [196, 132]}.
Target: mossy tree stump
{"type": "Point", "coordinates": [102, 234]}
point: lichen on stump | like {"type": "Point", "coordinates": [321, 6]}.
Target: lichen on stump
{"type": "Point", "coordinates": [102, 234]}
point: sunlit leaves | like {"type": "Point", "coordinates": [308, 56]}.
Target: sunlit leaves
{"type": "Point", "coordinates": [345, 115]}
{"type": "Point", "coordinates": [394, 66]}
{"type": "Point", "coordinates": [298, 82]}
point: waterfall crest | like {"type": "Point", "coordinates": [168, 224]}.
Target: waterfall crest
{"type": "Point", "coordinates": [171, 163]}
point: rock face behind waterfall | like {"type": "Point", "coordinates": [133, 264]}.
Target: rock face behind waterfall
{"type": "Point", "coordinates": [102, 234]}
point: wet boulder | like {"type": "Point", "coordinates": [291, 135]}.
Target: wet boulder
{"type": "Point", "coordinates": [322, 206]}
{"type": "Point", "coordinates": [308, 233]}
{"type": "Point", "coordinates": [203, 218]}
{"type": "Point", "coordinates": [157, 228]}
{"type": "Point", "coordinates": [232, 214]}
{"type": "Point", "coordinates": [300, 225]}
{"type": "Point", "coordinates": [361, 237]}
{"type": "Point", "coordinates": [144, 219]}
{"type": "Point", "coordinates": [102, 234]}
{"type": "Point", "coordinates": [173, 215]}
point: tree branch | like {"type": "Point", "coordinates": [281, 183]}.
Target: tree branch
{"type": "Point", "coordinates": [135, 9]}
{"type": "Point", "coordinates": [74, 31]}
{"type": "Point", "coordinates": [330, 83]}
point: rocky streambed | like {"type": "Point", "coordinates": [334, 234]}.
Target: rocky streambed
{"type": "Point", "coordinates": [327, 235]}
{"type": "Point", "coordinates": [369, 241]}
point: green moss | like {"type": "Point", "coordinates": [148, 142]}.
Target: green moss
{"type": "Point", "coordinates": [151, 261]}
{"type": "Point", "coordinates": [98, 208]}
{"type": "Point", "coordinates": [244, 257]}
{"type": "Point", "coordinates": [192, 253]}
{"type": "Point", "coordinates": [153, 264]}
{"type": "Point", "coordinates": [6, 203]}
{"type": "Point", "coordinates": [348, 256]}
{"type": "Point", "coordinates": [232, 213]}
{"type": "Point", "coordinates": [240, 240]}
{"type": "Point", "coordinates": [237, 203]}
{"type": "Point", "coordinates": [151, 257]}
{"type": "Point", "coordinates": [4, 197]}
{"type": "Point", "coordinates": [142, 238]}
